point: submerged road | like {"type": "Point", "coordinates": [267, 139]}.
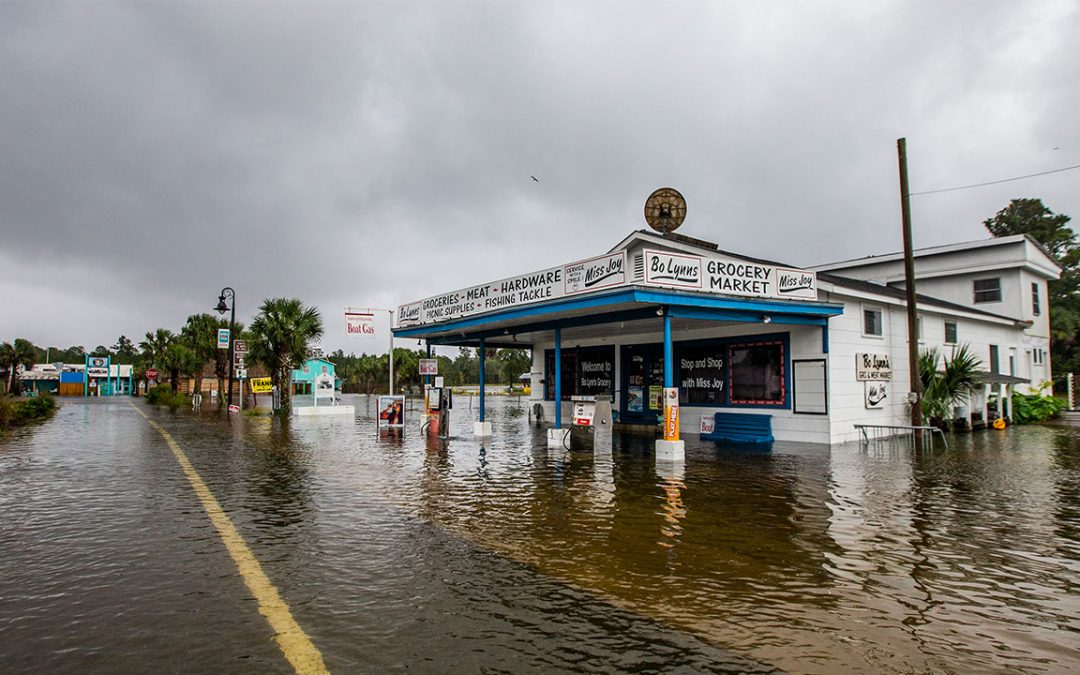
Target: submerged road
{"type": "Point", "coordinates": [138, 539]}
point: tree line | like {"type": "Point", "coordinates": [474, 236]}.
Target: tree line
{"type": "Point", "coordinates": [369, 373]}
{"type": "Point", "coordinates": [280, 338]}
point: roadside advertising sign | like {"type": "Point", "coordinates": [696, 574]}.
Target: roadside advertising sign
{"type": "Point", "coordinates": [429, 366]}
{"type": "Point", "coordinates": [261, 385]}
{"type": "Point", "coordinates": [223, 338]}
{"type": "Point", "coordinates": [391, 412]}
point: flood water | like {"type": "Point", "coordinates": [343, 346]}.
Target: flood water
{"type": "Point", "coordinates": [405, 554]}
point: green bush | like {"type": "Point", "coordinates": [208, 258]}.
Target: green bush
{"type": "Point", "coordinates": [16, 412]}
{"type": "Point", "coordinates": [162, 395]}
{"type": "Point", "coordinates": [1031, 408]}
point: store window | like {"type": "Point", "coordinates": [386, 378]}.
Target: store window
{"type": "Point", "coordinates": [701, 374]}
{"type": "Point", "coordinates": [756, 374]}
{"type": "Point", "coordinates": [586, 371]}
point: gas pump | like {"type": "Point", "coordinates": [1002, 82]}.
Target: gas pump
{"type": "Point", "coordinates": [439, 402]}
{"type": "Point", "coordinates": [591, 414]}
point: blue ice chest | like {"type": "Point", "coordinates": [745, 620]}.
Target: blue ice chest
{"type": "Point", "coordinates": [741, 428]}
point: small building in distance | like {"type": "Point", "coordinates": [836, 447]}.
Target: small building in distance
{"type": "Point", "coordinates": [303, 378]}
{"type": "Point", "coordinates": [70, 379]}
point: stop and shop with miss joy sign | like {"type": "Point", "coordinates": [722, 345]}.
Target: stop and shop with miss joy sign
{"type": "Point", "coordinates": [689, 339]}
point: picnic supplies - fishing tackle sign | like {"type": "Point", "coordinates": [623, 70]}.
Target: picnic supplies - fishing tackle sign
{"type": "Point", "coordinates": [662, 269]}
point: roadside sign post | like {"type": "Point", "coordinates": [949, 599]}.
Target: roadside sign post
{"type": "Point", "coordinates": [239, 351]}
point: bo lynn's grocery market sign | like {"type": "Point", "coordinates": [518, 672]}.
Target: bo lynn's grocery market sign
{"type": "Point", "coordinates": [663, 269]}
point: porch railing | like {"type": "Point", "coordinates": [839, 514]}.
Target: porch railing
{"type": "Point", "coordinates": [882, 434]}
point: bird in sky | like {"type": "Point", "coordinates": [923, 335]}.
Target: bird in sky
{"type": "Point", "coordinates": [535, 178]}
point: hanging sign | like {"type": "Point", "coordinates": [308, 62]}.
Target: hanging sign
{"type": "Point", "coordinates": [359, 323]}
{"type": "Point", "coordinates": [872, 367]}
{"type": "Point", "coordinates": [223, 338]}
{"type": "Point", "coordinates": [429, 366]}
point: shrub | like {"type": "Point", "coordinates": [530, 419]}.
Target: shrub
{"type": "Point", "coordinates": [16, 412]}
{"type": "Point", "coordinates": [162, 395]}
{"type": "Point", "coordinates": [1031, 408]}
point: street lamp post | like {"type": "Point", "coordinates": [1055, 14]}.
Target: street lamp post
{"type": "Point", "coordinates": [221, 307]}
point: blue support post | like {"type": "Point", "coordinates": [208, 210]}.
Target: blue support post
{"type": "Point", "coordinates": [481, 379]}
{"type": "Point", "coordinates": [825, 339]}
{"type": "Point", "coordinates": [558, 378]}
{"type": "Point", "coordinates": [668, 358]}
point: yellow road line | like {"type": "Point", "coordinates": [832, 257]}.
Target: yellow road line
{"type": "Point", "coordinates": [296, 645]}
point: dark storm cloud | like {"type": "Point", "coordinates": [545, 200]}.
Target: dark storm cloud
{"type": "Point", "coordinates": [375, 153]}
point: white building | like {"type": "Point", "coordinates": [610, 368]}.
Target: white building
{"type": "Point", "coordinates": [816, 351]}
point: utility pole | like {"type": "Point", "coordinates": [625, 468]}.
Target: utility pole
{"type": "Point", "coordinates": [912, 310]}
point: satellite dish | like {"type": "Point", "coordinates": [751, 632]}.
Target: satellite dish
{"type": "Point", "coordinates": [665, 210]}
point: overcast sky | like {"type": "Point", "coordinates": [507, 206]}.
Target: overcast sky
{"type": "Point", "coordinates": [372, 154]}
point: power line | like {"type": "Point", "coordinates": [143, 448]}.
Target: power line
{"type": "Point", "coordinates": [995, 182]}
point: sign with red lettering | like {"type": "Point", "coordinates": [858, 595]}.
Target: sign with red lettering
{"type": "Point", "coordinates": [359, 323]}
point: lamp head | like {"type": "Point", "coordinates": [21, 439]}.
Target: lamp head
{"type": "Point", "coordinates": [221, 306]}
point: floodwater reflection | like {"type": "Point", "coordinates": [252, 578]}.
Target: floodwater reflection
{"type": "Point", "coordinates": [802, 556]}
{"type": "Point", "coordinates": [397, 551]}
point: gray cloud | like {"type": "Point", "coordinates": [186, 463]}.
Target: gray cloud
{"type": "Point", "coordinates": [371, 154]}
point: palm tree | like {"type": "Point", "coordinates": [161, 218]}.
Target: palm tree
{"type": "Point", "coordinates": [14, 354]}
{"type": "Point", "coordinates": [155, 345]}
{"type": "Point", "coordinates": [950, 385]}
{"type": "Point", "coordinates": [200, 335]}
{"type": "Point", "coordinates": [280, 336]}
{"type": "Point", "coordinates": [179, 359]}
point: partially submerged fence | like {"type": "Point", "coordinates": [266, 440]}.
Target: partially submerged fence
{"type": "Point", "coordinates": [883, 435]}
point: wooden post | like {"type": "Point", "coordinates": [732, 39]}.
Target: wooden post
{"type": "Point", "coordinates": [909, 283]}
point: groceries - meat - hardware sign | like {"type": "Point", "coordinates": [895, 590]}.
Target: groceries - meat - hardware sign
{"type": "Point", "coordinates": [662, 269]}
